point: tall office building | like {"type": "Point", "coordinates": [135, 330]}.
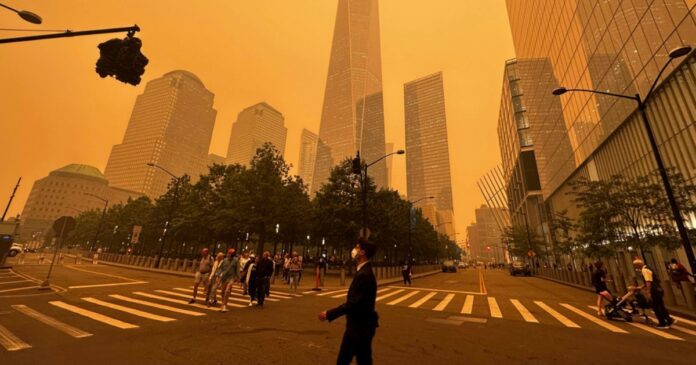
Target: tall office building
{"type": "Point", "coordinates": [256, 125]}
{"type": "Point", "coordinates": [619, 47]}
{"type": "Point", "coordinates": [353, 112]}
{"type": "Point", "coordinates": [427, 151]}
{"type": "Point", "coordinates": [308, 154]}
{"type": "Point", "coordinates": [490, 235]}
{"type": "Point", "coordinates": [389, 148]}
{"type": "Point", "coordinates": [171, 125]}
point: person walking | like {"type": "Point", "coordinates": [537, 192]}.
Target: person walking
{"type": "Point", "coordinates": [202, 275]}
{"type": "Point", "coordinates": [286, 268]}
{"type": "Point", "coordinates": [599, 280]}
{"type": "Point", "coordinates": [654, 294]}
{"type": "Point", "coordinates": [249, 278]}
{"type": "Point", "coordinates": [361, 318]}
{"type": "Point", "coordinates": [277, 265]}
{"type": "Point", "coordinates": [264, 270]}
{"type": "Point", "coordinates": [242, 273]}
{"type": "Point", "coordinates": [295, 270]}
{"type": "Point", "coordinates": [214, 280]}
{"type": "Point", "coordinates": [678, 272]}
{"type": "Point", "coordinates": [229, 274]}
{"type": "Point", "coordinates": [407, 272]}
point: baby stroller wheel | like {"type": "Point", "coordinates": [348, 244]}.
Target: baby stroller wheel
{"type": "Point", "coordinates": [629, 318]}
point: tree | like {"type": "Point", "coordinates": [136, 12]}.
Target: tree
{"type": "Point", "coordinates": [521, 241]}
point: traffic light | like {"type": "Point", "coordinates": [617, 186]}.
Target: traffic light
{"type": "Point", "coordinates": [122, 59]}
{"type": "Point", "coordinates": [357, 167]}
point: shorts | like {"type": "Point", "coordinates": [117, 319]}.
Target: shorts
{"type": "Point", "coordinates": [200, 277]}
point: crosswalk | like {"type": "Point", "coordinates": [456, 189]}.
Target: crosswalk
{"type": "Point", "coordinates": [12, 282]}
{"type": "Point", "coordinates": [85, 316]}
{"type": "Point", "coordinates": [482, 305]}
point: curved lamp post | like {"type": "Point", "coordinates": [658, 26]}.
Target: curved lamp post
{"type": "Point", "coordinates": [101, 220]}
{"type": "Point", "coordinates": [26, 15]}
{"type": "Point", "coordinates": [678, 219]}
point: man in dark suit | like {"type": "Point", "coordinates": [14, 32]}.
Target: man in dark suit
{"type": "Point", "coordinates": [359, 309]}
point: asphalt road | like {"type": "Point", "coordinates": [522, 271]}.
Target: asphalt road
{"type": "Point", "coordinates": [109, 315]}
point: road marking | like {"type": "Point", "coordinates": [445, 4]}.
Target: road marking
{"type": "Point", "coordinates": [232, 296]}
{"type": "Point", "coordinates": [437, 290]}
{"type": "Point", "coordinates": [199, 299]}
{"type": "Point", "coordinates": [345, 294]}
{"type": "Point", "coordinates": [592, 318]}
{"type": "Point", "coordinates": [60, 326]}
{"type": "Point", "coordinates": [684, 320]}
{"type": "Point", "coordinates": [101, 285]}
{"type": "Point", "coordinates": [16, 289]}
{"type": "Point", "coordinates": [655, 331]}
{"type": "Point", "coordinates": [275, 293]}
{"type": "Point", "coordinates": [399, 300]}
{"type": "Point", "coordinates": [468, 304]}
{"type": "Point", "coordinates": [483, 283]}
{"type": "Point", "coordinates": [561, 318]}
{"type": "Point", "coordinates": [275, 297]}
{"type": "Point", "coordinates": [389, 295]}
{"type": "Point", "coordinates": [14, 282]}
{"type": "Point", "coordinates": [678, 328]}
{"type": "Point", "coordinates": [129, 310]}
{"type": "Point", "coordinates": [93, 315]}
{"type": "Point", "coordinates": [156, 305]}
{"type": "Point", "coordinates": [443, 304]}
{"type": "Point", "coordinates": [423, 300]}
{"type": "Point", "coordinates": [493, 306]}
{"type": "Point", "coordinates": [331, 292]}
{"type": "Point", "coordinates": [528, 316]}
{"type": "Point", "coordinates": [178, 301]}
{"type": "Point", "coordinates": [11, 342]}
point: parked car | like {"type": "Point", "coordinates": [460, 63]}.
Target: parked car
{"type": "Point", "coordinates": [15, 249]}
{"type": "Point", "coordinates": [462, 265]}
{"type": "Point", "coordinates": [449, 266]}
{"type": "Point", "coordinates": [521, 268]}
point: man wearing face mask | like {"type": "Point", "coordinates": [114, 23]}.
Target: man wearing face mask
{"type": "Point", "coordinates": [359, 309]}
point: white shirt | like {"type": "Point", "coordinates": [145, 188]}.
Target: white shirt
{"type": "Point", "coordinates": [361, 265]}
{"type": "Point", "coordinates": [647, 273]}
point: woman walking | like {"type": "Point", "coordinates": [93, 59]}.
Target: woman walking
{"type": "Point", "coordinates": [599, 281]}
{"type": "Point", "coordinates": [295, 270]}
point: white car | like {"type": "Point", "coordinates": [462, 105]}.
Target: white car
{"type": "Point", "coordinates": [15, 249]}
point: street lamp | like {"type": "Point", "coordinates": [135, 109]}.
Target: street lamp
{"type": "Point", "coordinates": [26, 15]}
{"type": "Point", "coordinates": [411, 220]}
{"type": "Point", "coordinates": [678, 219]}
{"type": "Point", "coordinates": [360, 168]}
{"type": "Point", "coordinates": [101, 220]}
{"type": "Point", "coordinates": [177, 181]}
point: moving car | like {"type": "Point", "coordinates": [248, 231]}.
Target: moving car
{"type": "Point", "coordinates": [462, 265]}
{"type": "Point", "coordinates": [15, 249]}
{"type": "Point", "coordinates": [521, 268]}
{"type": "Point", "coordinates": [449, 266]}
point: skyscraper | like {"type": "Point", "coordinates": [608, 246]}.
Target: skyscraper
{"type": "Point", "coordinates": [308, 153]}
{"type": "Point", "coordinates": [427, 150]}
{"type": "Point", "coordinates": [171, 125]}
{"type": "Point", "coordinates": [389, 148]}
{"type": "Point", "coordinates": [353, 112]}
{"type": "Point", "coordinates": [256, 125]}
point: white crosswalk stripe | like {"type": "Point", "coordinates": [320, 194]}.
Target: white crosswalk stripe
{"type": "Point", "coordinates": [403, 298]}
{"type": "Point", "coordinates": [11, 342]}
{"type": "Point", "coordinates": [389, 295]}
{"type": "Point", "coordinates": [421, 301]}
{"type": "Point", "coordinates": [468, 306]}
{"type": "Point", "coordinates": [156, 305]}
{"type": "Point", "coordinates": [526, 314]}
{"type": "Point", "coordinates": [561, 318]}
{"type": "Point", "coordinates": [129, 310]}
{"type": "Point", "coordinates": [655, 331]}
{"type": "Point", "coordinates": [63, 327]}
{"type": "Point", "coordinates": [199, 299]}
{"type": "Point", "coordinates": [593, 319]}
{"type": "Point", "coordinates": [172, 300]}
{"type": "Point", "coordinates": [441, 306]}
{"type": "Point", "coordinates": [93, 315]}
{"type": "Point", "coordinates": [494, 308]}
{"type": "Point", "coordinates": [331, 292]}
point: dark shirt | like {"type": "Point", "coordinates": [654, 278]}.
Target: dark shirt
{"type": "Point", "coordinates": [264, 268]}
{"type": "Point", "coordinates": [359, 308]}
{"type": "Point", "coordinates": [598, 280]}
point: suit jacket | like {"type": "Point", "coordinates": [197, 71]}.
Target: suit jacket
{"type": "Point", "coordinates": [359, 308]}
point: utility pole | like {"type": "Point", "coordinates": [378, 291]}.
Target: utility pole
{"type": "Point", "coordinates": [2, 219]}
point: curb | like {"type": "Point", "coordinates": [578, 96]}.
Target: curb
{"type": "Point", "coordinates": [677, 311]}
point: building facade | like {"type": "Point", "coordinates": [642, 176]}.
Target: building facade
{"type": "Point", "coordinates": [308, 154]}
{"type": "Point", "coordinates": [67, 191]}
{"type": "Point", "coordinates": [619, 47]}
{"type": "Point", "coordinates": [427, 151]}
{"type": "Point", "coordinates": [171, 125]}
{"type": "Point", "coordinates": [352, 116]}
{"type": "Point", "coordinates": [389, 148]}
{"type": "Point", "coordinates": [490, 235]}
{"type": "Point", "coordinates": [256, 125]}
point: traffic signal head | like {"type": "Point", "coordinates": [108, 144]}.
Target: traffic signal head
{"type": "Point", "coordinates": [357, 167]}
{"type": "Point", "coordinates": [122, 59]}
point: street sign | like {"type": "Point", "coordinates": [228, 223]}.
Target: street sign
{"type": "Point", "coordinates": [135, 237]}
{"type": "Point", "coordinates": [64, 225]}
{"type": "Point", "coordinates": [365, 233]}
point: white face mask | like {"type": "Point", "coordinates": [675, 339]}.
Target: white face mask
{"type": "Point", "coordinates": [354, 253]}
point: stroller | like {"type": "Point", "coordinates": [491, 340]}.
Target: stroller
{"type": "Point", "coordinates": [631, 303]}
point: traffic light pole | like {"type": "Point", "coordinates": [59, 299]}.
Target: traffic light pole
{"type": "Point", "coordinates": [69, 33]}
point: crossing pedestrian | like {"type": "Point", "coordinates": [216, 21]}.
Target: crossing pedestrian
{"type": "Point", "coordinates": [202, 275]}
{"type": "Point", "coordinates": [654, 293]}
{"type": "Point", "coordinates": [277, 266]}
{"type": "Point", "coordinates": [599, 280]}
{"type": "Point", "coordinates": [249, 278]}
{"type": "Point", "coordinates": [242, 267]}
{"type": "Point", "coordinates": [407, 272]}
{"type": "Point", "coordinates": [359, 309]}
{"type": "Point", "coordinates": [264, 270]}
{"type": "Point", "coordinates": [229, 274]}
{"type": "Point", "coordinates": [286, 268]}
{"type": "Point", "coordinates": [214, 280]}
{"type": "Point", "coordinates": [295, 271]}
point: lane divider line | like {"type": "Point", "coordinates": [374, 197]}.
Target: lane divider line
{"type": "Point", "coordinates": [50, 321]}
{"type": "Point", "coordinates": [93, 315]}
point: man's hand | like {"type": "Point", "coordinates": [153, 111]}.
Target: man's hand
{"type": "Point", "coordinates": [322, 316]}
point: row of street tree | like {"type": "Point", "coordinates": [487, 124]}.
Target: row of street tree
{"type": "Point", "coordinates": [264, 207]}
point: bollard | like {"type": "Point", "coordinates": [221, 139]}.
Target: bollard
{"type": "Point", "coordinates": [342, 281]}
{"type": "Point", "coordinates": [688, 289]}
{"type": "Point", "coordinates": [669, 297]}
{"type": "Point", "coordinates": [78, 259]}
{"type": "Point", "coordinates": [186, 265]}
{"type": "Point", "coordinates": [176, 264]}
{"type": "Point", "coordinates": [322, 274]}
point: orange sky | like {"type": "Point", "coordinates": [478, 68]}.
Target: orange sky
{"type": "Point", "coordinates": [55, 110]}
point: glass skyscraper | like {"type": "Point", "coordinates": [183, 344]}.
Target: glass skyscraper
{"type": "Point", "coordinates": [256, 125]}
{"type": "Point", "coordinates": [427, 151]}
{"type": "Point", "coordinates": [171, 125]}
{"type": "Point", "coordinates": [308, 154]}
{"type": "Point", "coordinates": [353, 112]}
